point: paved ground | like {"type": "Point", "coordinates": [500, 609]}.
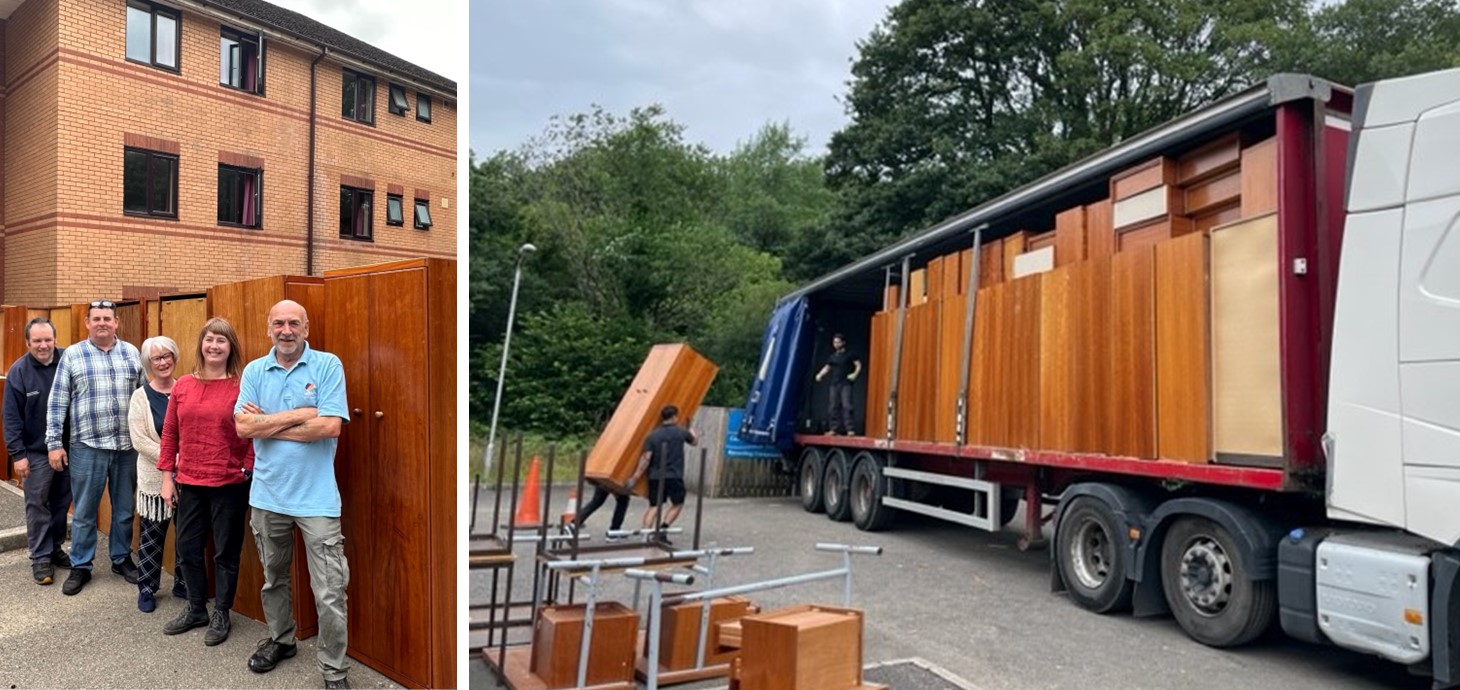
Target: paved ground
{"type": "Point", "coordinates": [973, 604]}
{"type": "Point", "coordinates": [99, 639]}
{"type": "Point", "coordinates": [12, 508]}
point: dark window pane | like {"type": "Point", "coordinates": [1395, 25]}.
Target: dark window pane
{"type": "Point", "coordinates": [164, 171]}
{"type": "Point", "coordinates": [393, 212]}
{"type": "Point", "coordinates": [423, 107]}
{"type": "Point", "coordinates": [423, 213]}
{"type": "Point", "coordinates": [134, 182]}
{"type": "Point", "coordinates": [347, 212]}
{"type": "Point", "coordinates": [249, 67]}
{"type": "Point", "coordinates": [363, 215]}
{"type": "Point", "coordinates": [227, 195]}
{"type": "Point", "coordinates": [366, 111]}
{"type": "Point", "coordinates": [139, 34]}
{"type": "Point", "coordinates": [348, 109]}
{"type": "Point", "coordinates": [166, 40]}
{"type": "Point", "coordinates": [398, 103]}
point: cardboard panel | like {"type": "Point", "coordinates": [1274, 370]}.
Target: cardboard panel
{"type": "Point", "coordinates": [1057, 348]}
{"type": "Point", "coordinates": [1259, 178]}
{"type": "Point", "coordinates": [1069, 230]}
{"type": "Point", "coordinates": [1183, 386]}
{"type": "Point", "coordinates": [1023, 362]}
{"type": "Point", "coordinates": [1099, 229]}
{"type": "Point", "coordinates": [1132, 393]}
{"type": "Point", "coordinates": [1090, 302]}
{"type": "Point", "coordinates": [1246, 370]}
{"type": "Point", "coordinates": [671, 374]}
{"type": "Point", "coordinates": [949, 353]}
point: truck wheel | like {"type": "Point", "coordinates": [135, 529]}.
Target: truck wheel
{"type": "Point", "coordinates": [1091, 558]}
{"type": "Point", "coordinates": [810, 479]}
{"type": "Point", "coordinates": [868, 487]}
{"type": "Point", "coordinates": [1207, 587]}
{"type": "Point", "coordinates": [834, 485]}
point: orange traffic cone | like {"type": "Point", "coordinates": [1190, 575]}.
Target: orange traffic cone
{"type": "Point", "coordinates": [529, 508]}
{"type": "Point", "coordinates": [570, 512]}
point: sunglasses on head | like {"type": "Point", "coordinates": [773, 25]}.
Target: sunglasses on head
{"type": "Point", "coordinates": [104, 304]}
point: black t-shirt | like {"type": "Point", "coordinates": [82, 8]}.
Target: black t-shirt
{"type": "Point", "coordinates": [841, 365]}
{"type": "Point", "coordinates": [666, 443]}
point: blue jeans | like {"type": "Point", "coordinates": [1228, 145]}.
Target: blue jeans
{"type": "Point", "coordinates": [93, 469]}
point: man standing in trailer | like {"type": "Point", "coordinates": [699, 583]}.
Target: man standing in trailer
{"type": "Point", "coordinates": [844, 368]}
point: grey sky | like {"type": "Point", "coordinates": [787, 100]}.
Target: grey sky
{"type": "Point", "coordinates": [416, 35]}
{"type": "Point", "coordinates": [722, 68]}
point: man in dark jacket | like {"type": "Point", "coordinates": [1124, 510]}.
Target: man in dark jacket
{"type": "Point", "coordinates": [47, 488]}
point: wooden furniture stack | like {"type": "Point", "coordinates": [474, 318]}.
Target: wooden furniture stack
{"type": "Point", "coordinates": [806, 647]}
{"type": "Point", "coordinates": [671, 375]}
{"type": "Point", "coordinates": [556, 645]}
{"type": "Point", "coordinates": [1119, 331]}
{"type": "Point", "coordinates": [679, 640]}
{"type": "Point", "coordinates": [394, 330]}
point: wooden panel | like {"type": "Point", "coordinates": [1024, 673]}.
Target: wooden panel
{"type": "Point", "coordinates": [1057, 351]}
{"type": "Point", "coordinates": [1039, 241]}
{"type": "Point", "coordinates": [1183, 388]}
{"type": "Point", "coordinates": [1014, 245]}
{"type": "Point", "coordinates": [671, 374]}
{"type": "Point", "coordinates": [1259, 178]}
{"type": "Point", "coordinates": [917, 379]}
{"type": "Point", "coordinates": [987, 418]}
{"type": "Point", "coordinates": [130, 323]}
{"type": "Point", "coordinates": [890, 297]}
{"type": "Point", "coordinates": [15, 345]}
{"type": "Point", "coordinates": [1099, 229]}
{"type": "Point", "coordinates": [444, 479]}
{"type": "Point", "coordinates": [1150, 234]}
{"type": "Point", "coordinates": [802, 648]}
{"type": "Point", "coordinates": [356, 454]}
{"type": "Point", "coordinates": [680, 631]}
{"type": "Point", "coordinates": [79, 313]}
{"type": "Point", "coordinates": [65, 333]}
{"type": "Point", "coordinates": [558, 634]}
{"type": "Point", "coordinates": [917, 290]}
{"type": "Point", "coordinates": [1090, 302]}
{"type": "Point", "coordinates": [1023, 362]}
{"type": "Point", "coordinates": [1146, 176]}
{"type": "Point", "coordinates": [182, 319]}
{"type": "Point", "coordinates": [154, 318]}
{"type": "Point", "coordinates": [965, 262]}
{"type": "Point", "coordinates": [1069, 230]}
{"type": "Point", "coordinates": [991, 264]}
{"type": "Point", "coordinates": [949, 355]}
{"type": "Point", "coordinates": [1132, 391]}
{"type": "Point", "coordinates": [1217, 191]}
{"type": "Point", "coordinates": [935, 279]}
{"type": "Point", "coordinates": [1216, 158]}
{"type": "Point", "coordinates": [1221, 215]}
{"type": "Point", "coordinates": [955, 274]}
{"type": "Point", "coordinates": [1246, 372]}
{"type": "Point", "coordinates": [879, 372]}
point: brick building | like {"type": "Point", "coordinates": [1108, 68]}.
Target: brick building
{"type": "Point", "coordinates": [172, 146]}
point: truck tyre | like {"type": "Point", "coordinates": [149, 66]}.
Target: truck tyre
{"type": "Point", "coordinates": [869, 485]}
{"type": "Point", "coordinates": [812, 463]}
{"type": "Point", "coordinates": [1091, 556]}
{"type": "Point", "coordinates": [1207, 586]}
{"type": "Point", "coordinates": [834, 485]}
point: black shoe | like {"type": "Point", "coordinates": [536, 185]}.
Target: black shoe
{"type": "Point", "coordinates": [190, 617]}
{"type": "Point", "coordinates": [342, 684]}
{"type": "Point", "coordinates": [44, 573]}
{"type": "Point", "coordinates": [75, 581]}
{"type": "Point", "coordinates": [126, 569]}
{"type": "Point", "coordinates": [60, 559]}
{"type": "Point", "coordinates": [269, 654]}
{"type": "Point", "coordinates": [218, 626]}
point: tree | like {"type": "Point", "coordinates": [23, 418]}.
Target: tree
{"type": "Point", "coordinates": [1359, 41]}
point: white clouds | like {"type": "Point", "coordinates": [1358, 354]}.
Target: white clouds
{"type": "Point", "coordinates": [722, 68]}
{"type": "Point", "coordinates": [425, 32]}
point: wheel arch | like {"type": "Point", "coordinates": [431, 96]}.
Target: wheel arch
{"type": "Point", "coordinates": [1129, 505]}
{"type": "Point", "coordinates": [1255, 534]}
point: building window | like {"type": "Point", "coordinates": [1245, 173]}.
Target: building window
{"type": "Point", "coordinates": [152, 35]}
{"type": "Point", "coordinates": [423, 107]}
{"type": "Point", "coordinates": [423, 214]}
{"type": "Point", "coordinates": [394, 210]}
{"type": "Point", "coordinates": [149, 183]}
{"type": "Point", "coordinates": [240, 196]}
{"type": "Point", "coordinates": [240, 62]}
{"type": "Point", "coordinates": [398, 100]}
{"type": "Point", "coordinates": [359, 98]}
{"type": "Point", "coordinates": [355, 213]}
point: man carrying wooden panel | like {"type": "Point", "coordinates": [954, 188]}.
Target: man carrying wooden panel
{"type": "Point", "coordinates": [663, 459]}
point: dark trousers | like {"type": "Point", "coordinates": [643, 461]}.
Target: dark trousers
{"type": "Point", "coordinates": [600, 495]}
{"type": "Point", "coordinates": [219, 511]}
{"type": "Point", "coordinates": [839, 400]}
{"type": "Point", "coordinates": [47, 498]}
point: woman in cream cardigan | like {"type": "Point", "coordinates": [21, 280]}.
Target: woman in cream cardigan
{"type": "Point", "coordinates": [144, 421]}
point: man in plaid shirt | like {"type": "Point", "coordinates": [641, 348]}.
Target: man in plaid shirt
{"type": "Point", "coordinates": [94, 383]}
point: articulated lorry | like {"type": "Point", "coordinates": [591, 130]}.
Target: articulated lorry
{"type": "Point", "coordinates": [1225, 353]}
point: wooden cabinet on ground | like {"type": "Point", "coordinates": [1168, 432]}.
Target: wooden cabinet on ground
{"type": "Point", "coordinates": [802, 648]}
{"type": "Point", "coordinates": [394, 330]}
{"type": "Point", "coordinates": [679, 636]}
{"type": "Point", "coordinates": [557, 638]}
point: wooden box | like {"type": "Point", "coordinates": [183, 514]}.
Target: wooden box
{"type": "Point", "coordinates": [559, 631]}
{"type": "Point", "coordinates": [671, 375]}
{"type": "Point", "coordinates": [680, 630]}
{"type": "Point", "coordinates": [802, 648]}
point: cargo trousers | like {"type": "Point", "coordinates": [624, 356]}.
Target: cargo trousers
{"type": "Point", "coordinates": [329, 574]}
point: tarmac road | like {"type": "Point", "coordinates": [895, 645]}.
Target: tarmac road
{"type": "Point", "coordinates": [972, 603]}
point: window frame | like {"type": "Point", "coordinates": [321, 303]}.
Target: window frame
{"type": "Point", "coordinates": [359, 78]}
{"type": "Point", "coordinates": [152, 9]}
{"type": "Point", "coordinates": [370, 219]}
{"type": "Point", "coordinates": [416, 214]}
{"type": "Point", "coordinates": [239, 37]}
{"type": "Point", "coordinates": [398, 199]}
{"type": "Point", "coordinates": [423, 98]}
{"type": "Point", "coordinates": [258, 196]}
{"type": "Point", "coordinates": [151, 156]}
{"type": "Point", "coordinates": [390, 100]}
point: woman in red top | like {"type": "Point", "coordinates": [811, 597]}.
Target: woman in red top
{"type": "Point", "coordinates": [206, 469]}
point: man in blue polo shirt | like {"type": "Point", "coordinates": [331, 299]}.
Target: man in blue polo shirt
{"type": "Point", "coordinates": [291, 402]}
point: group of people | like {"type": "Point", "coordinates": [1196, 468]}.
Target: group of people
{"type": "Point", "coordinates": [200, 451]}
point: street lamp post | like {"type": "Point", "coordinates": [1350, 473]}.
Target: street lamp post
{"type": "Point", "coordinates": [522, 253]}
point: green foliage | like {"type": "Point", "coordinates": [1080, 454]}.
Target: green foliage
{"type": "Point", "coordinates": [1360, 41]}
